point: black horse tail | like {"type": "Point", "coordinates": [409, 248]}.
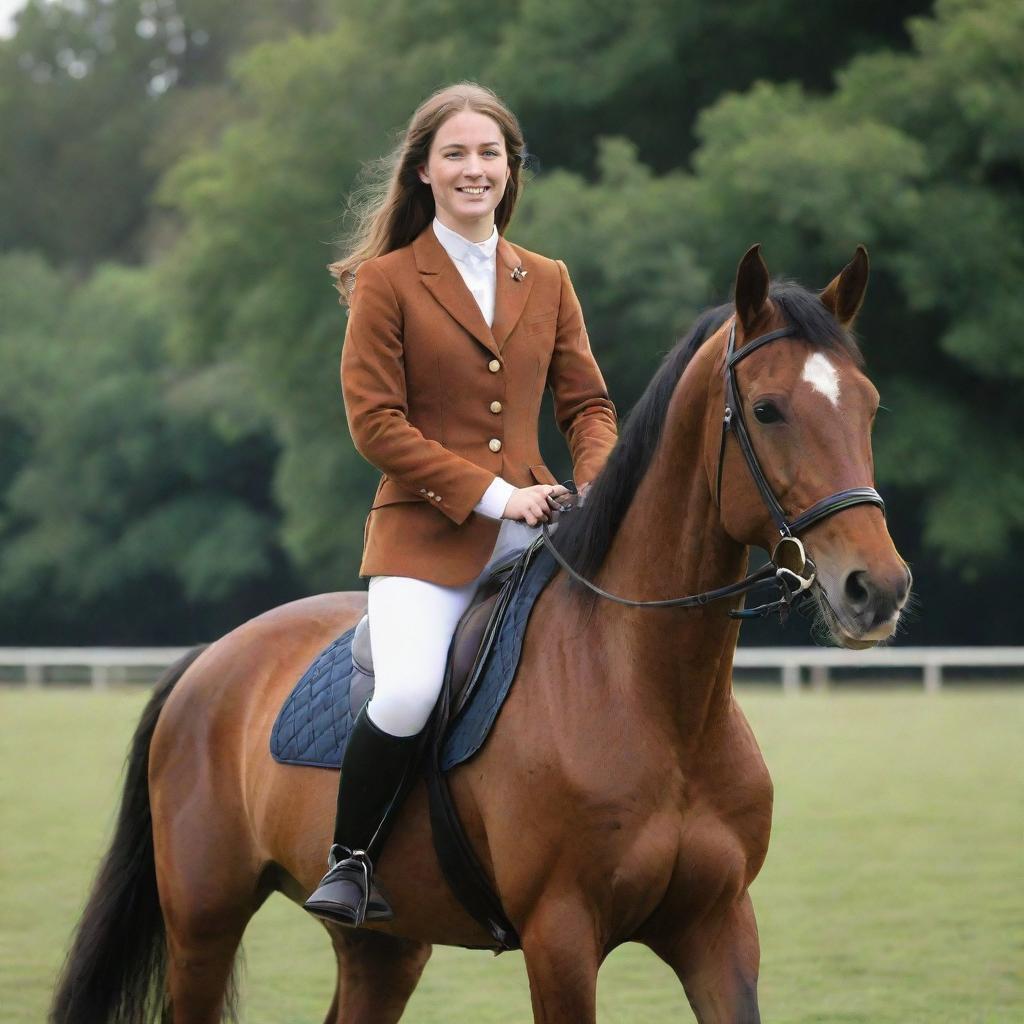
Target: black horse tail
{"type": "Point", "coordinates": [114, 972]}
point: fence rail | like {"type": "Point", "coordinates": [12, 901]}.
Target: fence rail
{"type": "Point", "coordinates": [102, 667]}
{"type": "Point", "coordinates": [931, 661]}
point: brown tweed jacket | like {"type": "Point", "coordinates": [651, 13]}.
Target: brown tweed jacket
{"type": "Point", "coordinates": [441, 403]}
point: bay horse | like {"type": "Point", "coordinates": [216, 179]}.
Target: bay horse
{"type": "Point", "coordinates": [621, 796]}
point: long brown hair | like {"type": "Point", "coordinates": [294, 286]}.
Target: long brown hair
{"type": "Point", "coordinates": [395, 208]}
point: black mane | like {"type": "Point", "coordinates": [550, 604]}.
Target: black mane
{"type": "Point", "coordinates": [584, 536]}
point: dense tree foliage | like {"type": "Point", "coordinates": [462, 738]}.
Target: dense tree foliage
{"type": "Point", "coordinates": [98, 97]}
{"type": "Point", "coordinates": [125, 494]}
{"type": "Point", "coordinates": [179, 426]}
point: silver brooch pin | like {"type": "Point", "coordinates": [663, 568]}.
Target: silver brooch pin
{"type": "Point", "coordinates": [518, 274]}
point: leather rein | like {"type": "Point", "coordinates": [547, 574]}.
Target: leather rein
{"type": "Point", "coordinates": [789, 568]}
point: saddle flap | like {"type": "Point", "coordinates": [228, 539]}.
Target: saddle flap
{"type": "Point", "coordinates": [466, 646]}
{"type": "Point", "coordinates": [313, 724]}
{"type": "Point", "coordinates": [465, 649]}
{"type": "Point", "coordinates": [362, 653]}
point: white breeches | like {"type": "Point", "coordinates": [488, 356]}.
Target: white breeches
{"type": "Point", "coordinates": [411, 626]}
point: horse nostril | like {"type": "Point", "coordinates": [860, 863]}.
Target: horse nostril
{"type": "Point", "coordinates": [856, 591]}
{"type": "Point", "coordinates": [874, 601]}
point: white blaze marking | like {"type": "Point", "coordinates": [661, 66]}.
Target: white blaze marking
{"type": "Point", "coordinates": [822, 376]}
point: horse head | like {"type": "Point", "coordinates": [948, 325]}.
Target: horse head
{"type": "Point", "coordinates": [806, 408]}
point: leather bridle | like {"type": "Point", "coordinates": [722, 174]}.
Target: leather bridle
{"type": "Point", "coordinates": [789, 561]}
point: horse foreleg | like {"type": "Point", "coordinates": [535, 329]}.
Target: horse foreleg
{"type": "Point", "coordinates": [377, 974]}
{"type": "Point", "coordinates": [562, 956]}
{"type": "Point", "coordinates": [717, 961]}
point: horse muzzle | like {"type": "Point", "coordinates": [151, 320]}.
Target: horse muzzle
{"type": "Point", "coordinates": [862, 608]}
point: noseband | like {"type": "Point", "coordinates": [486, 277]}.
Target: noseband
{"type": "Point", "coordinates": [788, 562]}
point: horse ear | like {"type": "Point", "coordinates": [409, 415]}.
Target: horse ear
{"type": "Point", "coordinates": [751, 287]}
{"type": "Point", "coordinates": [845, 295]}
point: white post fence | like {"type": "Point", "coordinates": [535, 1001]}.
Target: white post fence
{"type": "Point", "coordinates": [106, 666]}
{"type": "Point", "coordinates": [103, 665]}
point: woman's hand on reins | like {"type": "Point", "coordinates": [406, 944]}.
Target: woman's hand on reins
{"type": "Point", "coordinates": [530, 504]}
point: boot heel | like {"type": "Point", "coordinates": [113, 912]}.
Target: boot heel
{"type": "Point", "coordinates": [343, 893]}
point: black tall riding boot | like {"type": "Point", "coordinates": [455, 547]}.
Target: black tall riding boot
{"type": "Point", "coordinates": [373, 773]}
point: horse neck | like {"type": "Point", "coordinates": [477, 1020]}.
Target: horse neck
{"type": "Point", "coordinates": [671, 543]}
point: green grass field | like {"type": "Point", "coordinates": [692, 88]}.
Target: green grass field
{"type": "Point", "coordinates": [893, 890]}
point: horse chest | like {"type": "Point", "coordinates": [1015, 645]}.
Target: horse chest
{"type": "Point", "coordinates": [711, 865]}
{"type": "Point", "coordinates": [724, 830]}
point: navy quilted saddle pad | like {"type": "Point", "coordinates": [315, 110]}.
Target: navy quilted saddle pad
{"type": "Point", "coordinates": [313, 725]}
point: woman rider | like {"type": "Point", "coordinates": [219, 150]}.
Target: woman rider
{"type": "Point", "coordinates": [452, 335]}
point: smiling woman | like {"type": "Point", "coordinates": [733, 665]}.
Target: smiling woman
{"type": "Point", "coordinates": [467, 172]}
{"type": "Point", "coordinates": [452, 337]}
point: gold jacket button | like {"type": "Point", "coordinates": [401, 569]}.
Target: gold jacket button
{"type": "Point", "coordinates": [437, 497]}
{"type": "Point", "coordinates": [494, 366]}
{"type": "Point", "coordinates": [430, 494]}
{"type": "Point", "coordinates": [495, 406]}
{"type": "Point", "coordinates": [494, 444]}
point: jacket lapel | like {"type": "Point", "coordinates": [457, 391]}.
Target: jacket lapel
{"type": "Point", "coordinates": [441, 277]}
{"type": "Point", "coordinates": [511, 291]}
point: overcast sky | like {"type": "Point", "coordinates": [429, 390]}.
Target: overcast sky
{"type": "Point", "coordinates": [7, 8]}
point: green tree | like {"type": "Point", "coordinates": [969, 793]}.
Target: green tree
{"type": "Point", "coordinates": [921, 155]}
{"type": "Point", "coordinates": [129, 489]}
{"type": "Point", "coordinates": [97, 97]}
{"type": "Point", "coordinates": [808, 175]}
{"type": "Point", "coordinates": [577, 70]}
{"type": "Point", "coordinates": [174, 438]}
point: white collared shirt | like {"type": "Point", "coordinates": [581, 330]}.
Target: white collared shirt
{"type": "Point", "coordinates": [476, 263]}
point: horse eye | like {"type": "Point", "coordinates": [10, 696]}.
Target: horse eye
{"type": "Point", "coordinates": [767, 412]}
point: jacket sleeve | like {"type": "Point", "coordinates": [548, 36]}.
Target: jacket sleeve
{"type": "Point", "coordinates": [374, 388]}
{"type": "Point", "coordinates": [583, 410]}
